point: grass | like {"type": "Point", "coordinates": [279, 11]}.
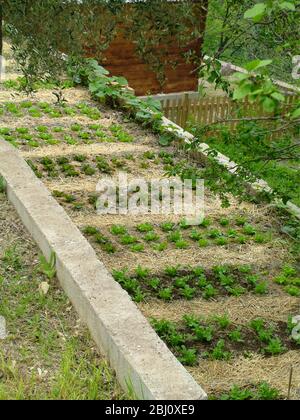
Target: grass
{"type": "Point", "coordinates": [48, 354]}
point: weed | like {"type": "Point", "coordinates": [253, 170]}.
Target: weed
{"type": "Point", "coordinates": [183, 224]}
{"type": "Point", "coordinates": [260, 238]}
{"type": "Point", "coordinates": [149, 155]}
{"type": "Point", "coordinates": [245, 269]}
{"type": "Point", "coordinates": [203, 243]}
{"type": "Point", "coordinates": [70, 198]}
{"type": "Point", "coordinates": [48, 268]}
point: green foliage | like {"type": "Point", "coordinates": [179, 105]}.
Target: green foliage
{"type": "Point", "coordinates": [2, 185]}
{"type": "Point", "coordinates": [48, 268]}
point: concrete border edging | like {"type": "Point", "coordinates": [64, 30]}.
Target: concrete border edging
{"type": "Point", "coordinates": [202, 152]}
{"type": "Point", "coordinates": [143, 363]}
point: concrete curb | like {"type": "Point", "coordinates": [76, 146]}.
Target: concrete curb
{"type": "Point", "coordinates": [142, 362]}
{"type": "Point", "coordinates": [202, 153]}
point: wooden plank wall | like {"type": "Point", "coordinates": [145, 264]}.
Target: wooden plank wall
{"type": "Point", "coordinates": [121, 59]}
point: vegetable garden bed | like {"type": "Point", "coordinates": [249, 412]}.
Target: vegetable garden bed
{"type": "Point", "coordinates": [220, 294]}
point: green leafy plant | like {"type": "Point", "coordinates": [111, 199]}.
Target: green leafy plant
{"type": "Point", "coordinates": [236, 336]}
{"type": "Point", "coordinates": [274, 347]}
{"type": "Point", "coordinates": [90, 230]}
{"type": "Point", "coordinates": [166, 294]}
{"type": "Point", "coordinates": [219, 352]}
{"type": "Point", "coordinates": [48, 268]}
{"type": "Point", "coordinates": [145, 227]}
{"type": "Point", "coordinates": [118, 230]}
{"type": "Point", "coordinates": [188, 357]}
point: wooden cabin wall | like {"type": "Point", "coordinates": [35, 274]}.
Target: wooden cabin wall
{"type": "Point", "coordinates": [121, 59]}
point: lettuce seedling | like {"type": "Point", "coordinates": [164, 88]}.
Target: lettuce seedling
{"type": "Point", "coordinates": [249, 230]}
{"type": "Point", "coordinates": [90, 230]}
{"type": "Point", "coordinates": [168, 226]}
{"type": "Point", "coordinates": [137, 248]}
{"type": "Point", "coordinates": [128, 240]}
{"type": "Point", "coordinates": [145, 227]}
{"type": "Point", "coordinates": [166, 294]}
{"type": "Point", "coordinates": [142, 273]}
{"type": "Point", "coordinates": [151, 237]}
{"type": "Point", "coordinates": [172, 271]}
{"type": "Point", "coordinates": [203, 243]}
{"type": "Point", "coordinates": [195, 235]}
{"type": "Point", "coordinates": [209, 292]}
{"type": "Point", "coordinates": [118, 230]}
{"type": "Point", "coordinates": [161, 247]}
{"type": "Point", "coordinates": [175, 236]}
{"type": "Point", "coordinates": [236, 336]}
{"type": "Point", "coordinates": [275, 347]}
{"type": "Point", "coordinates": [188, 357]}
{"type": "Point", "coordinates": [224, 222]}
{"type": "Point", "coordinates": [219, 352]}
{"type": "Point", "coordinates": [182, 244]}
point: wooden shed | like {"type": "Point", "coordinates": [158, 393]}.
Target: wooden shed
{"type": "Point", "coordinates": [122, 58]}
